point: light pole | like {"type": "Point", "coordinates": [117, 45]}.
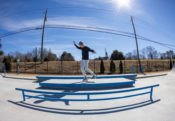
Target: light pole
{"type": "Point", "coordinates": [138, 55]}
{"type": "Point", "coordinates": [42, 39]}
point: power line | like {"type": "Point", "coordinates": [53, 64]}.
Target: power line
{"type": "Point", "coordinates": [88, 28]}
{"type": "Point", "coordinates": [97, 29]}
{"type": "Point", "coordinates": [160, 43]}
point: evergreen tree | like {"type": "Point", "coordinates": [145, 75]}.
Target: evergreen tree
{"type": "Point", "coordinates": [66, 57]}
{"type": "Point", "coordinates": [117, 55]}
{"type": "Point", "coordinates": [7, 63]}
{"type": "Point", "coordinates": [121, 67]}
{"type": "Point", "coordinates": [1, 52]}
{"type": "Point", "coordinates": [112, 67]}
{"type": "Point", "coordinates": [171, 64]}
{"type": "Point", "coordinates": [102, 67]}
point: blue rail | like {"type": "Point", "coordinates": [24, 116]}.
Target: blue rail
{"type": "Point", "coordinates": [88, 94]}
{"type": "Point", "coordinates": [3, 68]}
{"type": "Point", "coordinates": [80, 77]}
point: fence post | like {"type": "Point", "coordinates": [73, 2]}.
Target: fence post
{"type": "Point", "coordinates": [35, 67]}
{"type": "Point", "coordinates": [124, 66]}
{"type": "Point", "coordinates": [77, 67]}
{"type": "Point", "coordinates": [47, 67]}
{"type": "Point", "coordinates": [137, 67]}
{"type": "Point", "coordinates": [61, 66]}
{"type": "Point", "coordinates": [58, 68]}
{"type": "Point", "coordinates": [147, 66]}
{"type": "Point", "coordinates": [94, 65]}
{"type": "Point", "coordinates": [25, 67]}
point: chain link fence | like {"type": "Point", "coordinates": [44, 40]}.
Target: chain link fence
{"type": "Point", "coordinates": [73, 67]}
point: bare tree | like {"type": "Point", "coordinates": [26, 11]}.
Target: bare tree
{"type": "Point", "coordinates": [51, 56]}
{"type": "Point", "coordinates": [33, 55]}
{"type": "Point", "coordinates": [131, 55]}
{"type": "Point", "coordinates": [168, 55]}
{"type": "Point", "coordinates": [151, 52]}
{"type": "Point", "coordinates": [143, 54]}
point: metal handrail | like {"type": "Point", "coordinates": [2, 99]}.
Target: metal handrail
{"type": "Point", "coordinates": [88, 94]}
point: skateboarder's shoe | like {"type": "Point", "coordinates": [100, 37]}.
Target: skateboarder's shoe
{"type": "Point", "coordinates": [94, 76]}
{"type": "Point", "coordinates": [85, 79]}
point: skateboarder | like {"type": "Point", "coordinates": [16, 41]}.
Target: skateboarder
{"type": "Point", "coordinates": [85, 59]}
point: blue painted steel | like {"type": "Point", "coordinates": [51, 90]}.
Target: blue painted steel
{"type": "Point", "coordinates": [23, 95]}
{"type": "Point", "coordinates": [88, 94]}
{"type": "Point", "coordinates": [3, 69]}
{"type": "Point", "coordinates": [80, 77]}
{"type": "Point", "coordinates": [88, 99]}
{"type": "Point", "coordinates": [86, 85]}
{"type": "Point", "coordinates": [151, 94]}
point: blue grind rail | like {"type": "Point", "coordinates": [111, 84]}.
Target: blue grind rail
{"type": "Point", "coordinates": [87, 94]}
{"type": "Point", "coordinates": [80, 77]}
{"type": "Point", "coordinates": [85, 85]}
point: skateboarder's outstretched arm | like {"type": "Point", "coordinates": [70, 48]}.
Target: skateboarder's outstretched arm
{"type": "Point", "coordinates": [93, 51]}
{"type": "Point", "coordinates": [76, 45]}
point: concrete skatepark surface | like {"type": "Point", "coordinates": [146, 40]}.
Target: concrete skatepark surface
{"type": "Point", "coordinates": [131, 109]}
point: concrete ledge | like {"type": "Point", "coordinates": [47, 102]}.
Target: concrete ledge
{"type": "Point", "coordinates": [150, 76]}
{"type": "Point", "coordinates": [22, 78]}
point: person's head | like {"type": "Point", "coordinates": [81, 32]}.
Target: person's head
{"type": "Point", "coordinates": [81, 44]}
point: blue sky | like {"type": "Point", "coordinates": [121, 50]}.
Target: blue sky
{"type": "Point", "coordinates": [154, 19]}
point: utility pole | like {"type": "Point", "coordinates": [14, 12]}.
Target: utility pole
{"type": "Point", "coordinates": [45, 19]}
{"type": "Point", "coordinates": [138, 55]}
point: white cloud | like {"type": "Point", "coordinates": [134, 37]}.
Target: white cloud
{"type": "Point", "coordinates": [82, 3]}
{"type": "Point", "coordinates": [11, 25]}
{"type": "Point", "coordinates": [71, 20]}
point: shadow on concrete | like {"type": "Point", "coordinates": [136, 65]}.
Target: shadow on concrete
{"type": "Point", "coordinates": [84, 111]}
{"type": "Point", "coordinates": [86, 88]}
{"type": "Point", "coordinates": [53, 96]}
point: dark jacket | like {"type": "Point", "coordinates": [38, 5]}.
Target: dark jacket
{"type": "Point", "coordinates": [85, 52]}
